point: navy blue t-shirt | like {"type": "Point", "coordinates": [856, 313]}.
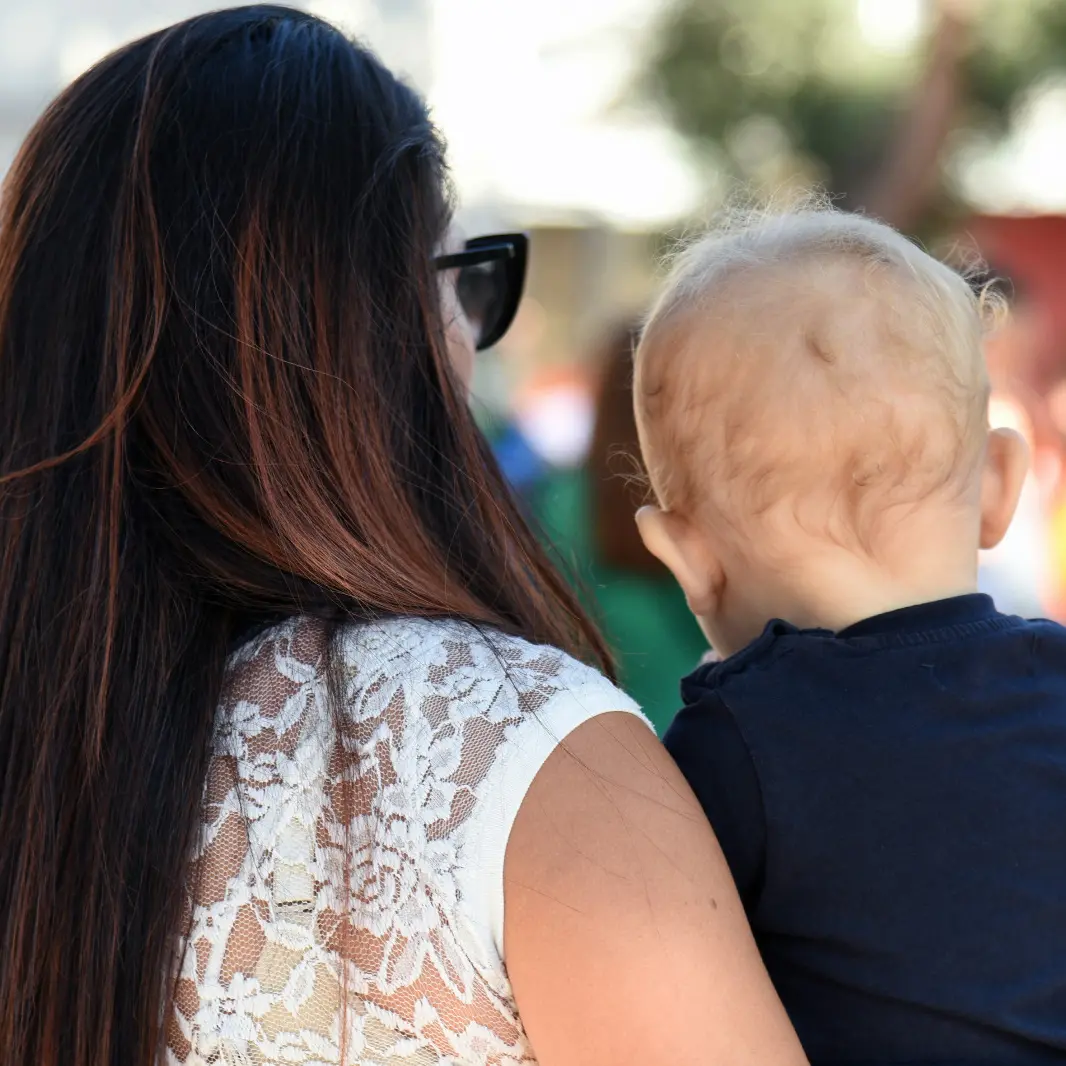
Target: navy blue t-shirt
{"type": "Point", "coordinates": [892, 802]}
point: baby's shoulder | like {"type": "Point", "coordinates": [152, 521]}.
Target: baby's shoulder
{"type": "Point", "coordinates": [756, 660]}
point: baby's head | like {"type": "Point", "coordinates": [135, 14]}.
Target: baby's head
{"type": "Point", "coordinates": [812, 401]}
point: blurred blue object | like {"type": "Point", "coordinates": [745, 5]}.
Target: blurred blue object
{"type": "Point", "coordinates": [521, 464]}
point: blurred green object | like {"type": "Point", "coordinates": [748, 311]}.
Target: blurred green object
{"type": "Point", "coordinates": [793, 91]}
{"type": "Point", "coordinates": [643, 615]}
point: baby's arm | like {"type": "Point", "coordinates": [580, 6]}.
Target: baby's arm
{"type": "Point", "coordinates": [711, 752]}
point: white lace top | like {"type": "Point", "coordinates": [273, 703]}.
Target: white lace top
{"type": "Point", "coordinates": [416, 776]}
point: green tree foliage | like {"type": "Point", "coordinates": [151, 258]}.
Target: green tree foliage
{"type": "Point", "coordinates": [790, 88]}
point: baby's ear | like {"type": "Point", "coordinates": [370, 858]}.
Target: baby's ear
{"type": "Point", "coordinates": [1006, 464]}
{"type": "Point", "coordinates": [686, 553]}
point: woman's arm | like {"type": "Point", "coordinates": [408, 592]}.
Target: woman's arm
{"type": "Point", "coordinates": [625, 940]}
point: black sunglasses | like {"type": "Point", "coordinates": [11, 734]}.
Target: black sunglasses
{"type": "Point", "coordinates": [492, 273]}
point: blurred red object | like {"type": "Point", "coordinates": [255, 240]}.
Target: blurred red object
{"type": "Point", "coordinates": [1030, 252]}
{"type": "Point", "coordinates": [1027, 359]}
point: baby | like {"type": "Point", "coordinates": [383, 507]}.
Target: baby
{"type": "Point", "coordinates": [882, 754]}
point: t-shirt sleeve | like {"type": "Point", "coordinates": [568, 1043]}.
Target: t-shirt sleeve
{"type": "Point", "coordinates": [711, 752]}
{"type": "Point", "coordinates": [582, 694]}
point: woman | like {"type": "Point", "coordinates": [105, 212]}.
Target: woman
{"type": "Point", "coordinates": [588, 514]}
{"type": "Point", "coordinates": [279, 687]}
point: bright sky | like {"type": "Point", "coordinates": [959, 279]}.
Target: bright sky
{"type": "Point", "coordinates": [1027, 171]}
{"type": "Point", "coordinates": [890, 24]}
{"type": "Point", "coordinates": [530, 98]}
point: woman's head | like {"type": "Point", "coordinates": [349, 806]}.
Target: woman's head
{"type": "Point", "coordinates": [220, 254]}
{"type": "Point", "coordinates": [227, 396]}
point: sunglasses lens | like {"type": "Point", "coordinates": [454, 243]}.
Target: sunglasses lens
{"type": "Point", "coordinates": [490, 276]}
{"type": "Point", "coordinates": [482, 291]}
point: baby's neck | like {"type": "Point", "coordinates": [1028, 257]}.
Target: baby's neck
{"type": "Point", "coordinates": [833, 588]}
{"type": "Point", "coordinates": [844, 600]}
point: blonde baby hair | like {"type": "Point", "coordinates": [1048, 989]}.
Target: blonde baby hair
{"type": "Point", "coordinates": [811, 358]}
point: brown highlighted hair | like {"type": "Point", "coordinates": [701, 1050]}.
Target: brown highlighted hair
{"type": "Point", "coordinates": [226, 399]}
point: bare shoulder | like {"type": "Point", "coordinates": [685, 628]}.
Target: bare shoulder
{"type": "Point", "coordinates": [625, 939]}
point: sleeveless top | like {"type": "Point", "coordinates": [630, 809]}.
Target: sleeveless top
{"type": "Point", "coordinates": [356, 816]}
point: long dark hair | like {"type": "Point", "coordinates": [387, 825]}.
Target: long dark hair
{"type": "Point", "coordinates": [225, 398]}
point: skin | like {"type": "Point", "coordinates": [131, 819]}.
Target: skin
{"type": "Point", "coordinates": [625, 941]}
{"type": "Point", "coordinates": [737, 578]}
{"type": "Point", "coordinates": [821, 356]}
{"type": "Point", "coordinates": [459, 331]}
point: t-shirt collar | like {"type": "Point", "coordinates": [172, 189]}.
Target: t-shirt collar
{"type": "Point", "coordinates": [958, 610]}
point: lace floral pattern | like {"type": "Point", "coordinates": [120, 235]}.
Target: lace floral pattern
{"type": "Point", "coordinates": [331, 867]}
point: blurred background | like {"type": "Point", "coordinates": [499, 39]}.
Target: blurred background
{"type": "Point", "coordinates": [611, 128]}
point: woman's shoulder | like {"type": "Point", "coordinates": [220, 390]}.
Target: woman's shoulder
{"type": "Point", "coordinates": [433, 730]}
{"type": "Point", "coordinates": [468, 716]}
{"type": "Point", "coordinates": [511, 698]}
{"type": "Point", "coordinates": [479, 664]}
{"type": "Point", "coordinates": [439, 671]}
